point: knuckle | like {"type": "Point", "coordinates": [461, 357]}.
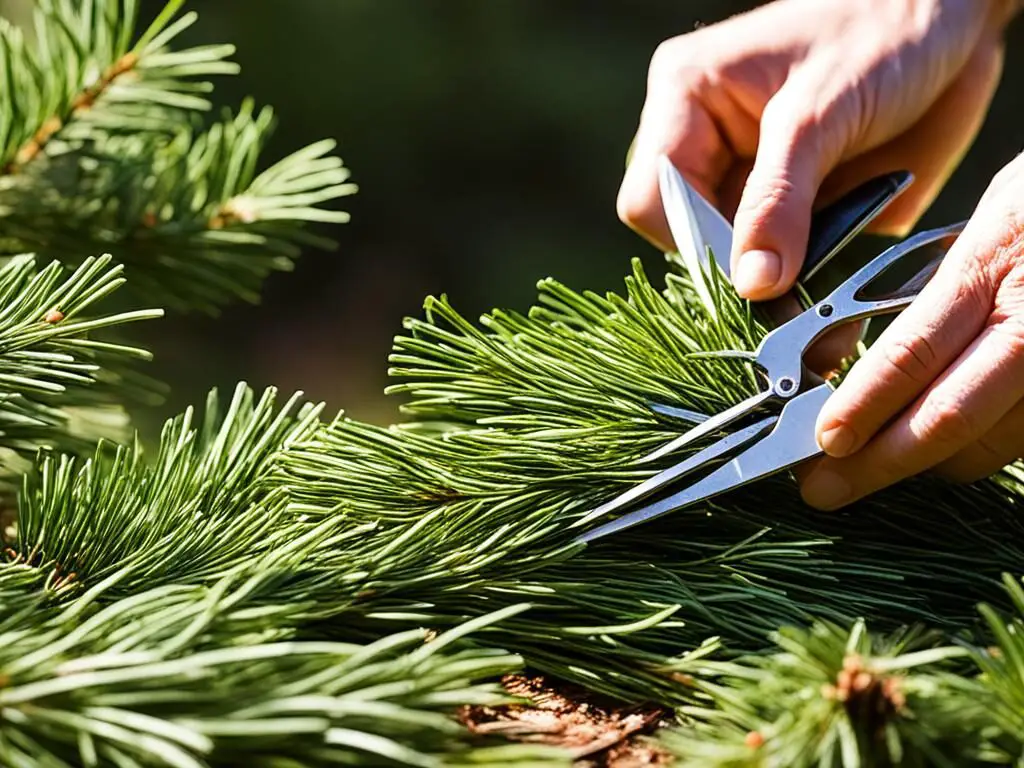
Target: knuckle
{"type": "Point", "coordinates": [1004, 261]}
{"type": "Point", "coordinates": [893, 470]}
{"type": "Point", "coordinates": [1008, 177]}
{"type": "Point", "coordinates": [884, 469]}
{"type": "Point", "coordinates": [769, 198]}
{"type": "Point", "coordinates": [972, 287]}
{"type": "Point", "coordinates": [766, 193]}
{"type": "Point", "coordinates": [664, 59]}
{"type": "Point", "coordinates": [1000, 239]}
{"type": "Point", "coordinates": [675, 60]}
{"type": "Point", "coordinates": [817, 113]}
{"type": "Point", "coordinates": [941, 421]}
{"type": "Point", "coordinates": [911, 356]}
{"type": "Point", "coordinates": [1011, 337]}
{"type": "Point", "coordinates": [797, 106]}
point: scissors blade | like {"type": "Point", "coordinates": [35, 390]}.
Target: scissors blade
{"type": "Point", "coordinates": [716, 450]}
{"type": "Point", "coordinates": [712, 424]}
{"type": "Point", "coordinates": [790, 442]}
{"type": "Point", "coordinates": [679, 414]}
{"type": "Point", "coordinates": [693, 221]}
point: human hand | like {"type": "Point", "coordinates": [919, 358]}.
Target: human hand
{"type": "Point", "coordinates": [803, 100]}
{"type": "Point", "coordinates": [943, 386]}
{"type": "Point", "coordinates": [764, 111]}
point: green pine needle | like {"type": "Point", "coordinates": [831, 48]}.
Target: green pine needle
{"type": "Point", "coordinates": [102, 148]}
{"type": "Point", "coordinates": [61, 381]}
{"type": "Point", "coordinates": [193, 677]}
{"type": "Point", "coordinates": [835, 697]}
{"type": "Point", "coordinates": [200, 509]}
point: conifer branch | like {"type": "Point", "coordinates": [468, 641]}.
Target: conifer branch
{"type": "Point", "coordinates": [830, 696]}
{"type": "Point", "coordinates": [83, 66]}
{"type": "Point", "coordinates": [194, 677]}
{"type": "Point", "coordinates": [110, 155]}
{"type": "Point", "coordinates": [200, 509]}
{"type": "Point", "coordinates": [536, 419]}
{"type": "Point", "coordinates": [61, 382]}
{"type": "Point", "coordinates": [1001, 677]}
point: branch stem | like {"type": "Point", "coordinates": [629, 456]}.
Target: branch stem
{"type": "Point", "coordinates": [82, 102]}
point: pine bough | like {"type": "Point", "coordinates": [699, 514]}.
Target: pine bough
{"type": "Point", "coordinates": [277, 589]}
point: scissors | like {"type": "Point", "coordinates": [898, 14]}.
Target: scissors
{"type": "Point", "coordinates": [772, 430]}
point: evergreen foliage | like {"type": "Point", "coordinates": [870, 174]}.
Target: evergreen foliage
{"type": "Point", "coordinates": [835, 697]}
{"type": "Point", "coordinates": [101, 149]}
{"type": "Point", "coordinates": [273, 588]}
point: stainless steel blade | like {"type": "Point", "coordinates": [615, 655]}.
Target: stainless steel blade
{"type": "Point", "coordinates": [727, 445]}
{"type": "Point", "coordinates": [695, 223]}
{"type": "Point", "coordinates": [679, 414]}
{"type": "Point", "coordinates": [791, 442]}
{"type": "Point", "coordinates": [712, 424]}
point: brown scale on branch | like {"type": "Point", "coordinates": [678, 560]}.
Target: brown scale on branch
{"type": "Point", "coordinates": [870, 699]}
{"type": "Point", "coordinates": [598, 733]}
{"type": "Point", "coordinates": [58, 581]}
{"type": "Point", "coordinates": [80, 103]}
{"type": "Point", "coordinates": [235, 210]}
{"type": "Point", "coordinates": [57, 578]}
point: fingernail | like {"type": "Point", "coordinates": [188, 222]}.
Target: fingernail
{"type": "Point", "coordinates": [756, 271]}
{"type": "Point", "coordinates": [825, 489]}
{"type": "Point", "coordinates": [838, 441]}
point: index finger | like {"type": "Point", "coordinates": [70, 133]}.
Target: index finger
{"type": "Point", "coordinates": [673, 122]}
{"type": "Point", "coordinates": [913, 351]}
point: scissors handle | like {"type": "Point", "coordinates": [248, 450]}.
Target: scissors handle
{"type": "Point", "coordinates": [836, 224]}
{"type": "Point", "coordinates": [847, 304]}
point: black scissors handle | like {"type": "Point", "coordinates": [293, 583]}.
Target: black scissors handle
{"type": "Point", "coordinates": [833, 226]}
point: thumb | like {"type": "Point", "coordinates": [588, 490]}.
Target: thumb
{"type": "Point", "coordinates": [773, 217]}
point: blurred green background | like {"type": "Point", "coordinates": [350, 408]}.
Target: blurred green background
{"type": "Point", "coordinates": [488, 139]}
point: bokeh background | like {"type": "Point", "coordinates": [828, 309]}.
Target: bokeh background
{"type": "Point", "coordinates": [488, 140]}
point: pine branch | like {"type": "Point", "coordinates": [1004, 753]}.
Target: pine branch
{"type": "Point", "coordinates": [83, 72]}
{"type": "Point", "coordinates": [60, 381]}
{"type": "Point", "coordinates": [198, 225]}
{"type": "Point", "coordinates": [193, 677]}
{"type": "Point", "coordinates": [536, 420]}
{"type": "Point", "coordinates": [1002, 676]}
{"type": "Point", "coordinates": [120, 161]}
{"type": "Point", "coordinates": [489, 506]}
{"type": "Point", "coordinates": [578, 356]}
{"type": "Point", "coordinates": [834, 697]}
{"type": "Point", "coordinates": [200, 509]}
